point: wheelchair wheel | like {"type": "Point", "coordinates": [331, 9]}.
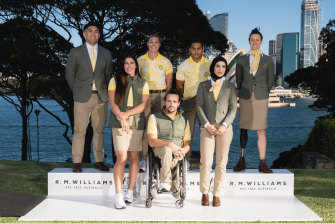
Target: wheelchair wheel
{"type": "Point", "coordinates": [179, 203]}
{"type": "Point", "coordinates": [149, 195]}
{"type": "Point", "coordinates": [183, 180]}
{"type": "Point", "coordinates": [148, 203]}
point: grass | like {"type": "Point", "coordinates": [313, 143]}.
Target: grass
{"type": "Point", "coordinates": [315, 188]}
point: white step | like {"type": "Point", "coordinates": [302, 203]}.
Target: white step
{"type": "Point", "coordinates": [91, 182]}
{"type": "Point", "coordinates": [247, 196]}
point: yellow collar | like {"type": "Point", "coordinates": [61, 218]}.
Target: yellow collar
{"type": "Point", "coordinates": [190, 60]}
{"type": "Point", "coordinates": [146, 56]}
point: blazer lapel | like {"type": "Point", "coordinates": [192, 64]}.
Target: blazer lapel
{"type": "Point", "coordinates": [99, 58]}
{"type": "Point", "coordinates": [222, 90]}
{"type": "Point", "coordinates": [86, 57]}
{"type": "Point", "coordinates": [247, 62]}
{"type": "Point", "coordinates": [208, 89]}
{"type": "Point", "coordinates": [260, 66]}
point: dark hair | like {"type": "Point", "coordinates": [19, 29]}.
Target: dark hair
{"type": "Point", "coordinates": [91, 24]}
{"type": "Point", "coordinates": [173, 91]}
{"type": "Point", "coordinates": [122, 79]}
{"type": "Point", "coordinates": [215, 60]}
{"type": "Point", "coordinates": [196, 41]}
{"type": "Point", "coordinates": [256, 31]}
{"type": "Point", "coordinates": [155, 35]}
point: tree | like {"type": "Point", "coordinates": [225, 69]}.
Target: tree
{"type": "Point", "coordinates": [27, 52]}
{"type": "Point", "coordinates": [320, 79]}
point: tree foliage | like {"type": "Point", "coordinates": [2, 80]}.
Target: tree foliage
{"type": "Point", "coordinates": [124, 24]}
{"type": "Point", "coordinates": [320, 79]}
{"type": "Point", "coordinates": [49, 27]}
{"type": "Point", "coordinates": [28, 50]}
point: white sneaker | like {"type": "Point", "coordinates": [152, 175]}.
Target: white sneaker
{"type": "Point", "coordinates": [143, 166]}
{"type": "Point", "coordinates": [164, 187]}
{"type": "Point", "coordinates": [119, 202]}
{"type": "Point", "coordinates": [129, 196]}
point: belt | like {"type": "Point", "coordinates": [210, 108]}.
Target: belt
{"type": "Point", "coordinates": [157, 91]}
{"type": "Point", "coordinates": [94, 91]}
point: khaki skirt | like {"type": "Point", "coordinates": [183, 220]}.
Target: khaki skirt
{"type": "Point", "coordinates": [253, 113]}
{"type": "Point", "coordinates": [131, 141]}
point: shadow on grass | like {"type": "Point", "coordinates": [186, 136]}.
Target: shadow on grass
{"type": "Point", "coordinates": [315, 183]}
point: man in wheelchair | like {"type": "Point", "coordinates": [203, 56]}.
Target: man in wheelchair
{"type": "Point", "coordinates": [169, 135]}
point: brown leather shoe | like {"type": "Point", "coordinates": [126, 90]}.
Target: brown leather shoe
{"type": "Point", "coordinates": [216, 201]}
{"type": "Point", "coordinates": [101, 166]}
{"type": "Point", "coordinates": [240, 165]}
{"type": "Point", "coordinates": [77, 168]}
{"type": "Point", "coordinates": [263, 167]}
{"type": "Point", "coordinates": [205, 200]}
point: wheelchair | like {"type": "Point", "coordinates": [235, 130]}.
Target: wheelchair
{"type": "Point", "coordinates": [153, 167]}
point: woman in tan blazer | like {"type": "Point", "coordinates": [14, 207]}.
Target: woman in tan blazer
{"type": "Point", "coordinates": [216, 109]}
{"type": "Point", "coordinates": [254, 79]}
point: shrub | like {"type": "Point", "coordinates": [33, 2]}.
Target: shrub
{"type": "Point", "coordinates": [322, 138]}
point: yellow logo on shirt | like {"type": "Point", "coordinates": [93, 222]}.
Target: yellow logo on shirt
{"type": "Point", "coordinates": [180, 126]}
{"type": "Point", "coordinates": [161, 67]}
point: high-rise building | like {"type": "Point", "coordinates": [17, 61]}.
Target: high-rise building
{"type": "Point", "coordinates": [309, 33]}
{"type": "Point", "coordinates": [287, 56]}
{"type": "Point", "coordinates": [272, 47]}
{"type": "Point", "coordinates": [219, 23]}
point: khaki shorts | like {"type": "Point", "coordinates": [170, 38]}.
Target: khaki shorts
{"type": "Point", "coordinates": [131, 141]}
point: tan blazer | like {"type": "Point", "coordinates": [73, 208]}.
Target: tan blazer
{"type": "Point", "coordinates": [222, 110]}
{"type": "Point", "coordinates": [262, 81]}
{"type": "Point", "coordinates": [80, 75]}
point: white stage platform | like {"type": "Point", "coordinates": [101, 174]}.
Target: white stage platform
{"type": "Point", "coordinates": [248, 196]}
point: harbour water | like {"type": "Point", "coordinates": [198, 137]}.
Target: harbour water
{"type": "Point", "coordinates": [288, 127]}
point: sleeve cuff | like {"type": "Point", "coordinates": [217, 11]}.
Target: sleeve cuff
{"type": "Point", "coordinates": [207, 123]}
{"type": "Point", "coordinates": [225, 124]}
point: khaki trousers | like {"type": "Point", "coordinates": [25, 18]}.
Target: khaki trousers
{"type": "Point", "coordinates": [190, 111]}
{"type": "Point", "coordinates": [207, 144]}
{"type": "Point", "coordinates": [168, 162]}
{"type": "Point", "coordinates": [97, 110]}
{"type": "Point", "coordinates": [155, 104]}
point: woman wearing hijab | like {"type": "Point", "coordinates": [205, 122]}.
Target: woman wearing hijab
{"type": "Point", "coordinates": [216, 109]}
{"type": "Point", "coordinates": [254, 79]}
{"type": "Point", "coordinates": [128, 98]}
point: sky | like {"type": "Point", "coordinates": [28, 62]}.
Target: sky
{"type": "Point", "coordinates": [271, 16]}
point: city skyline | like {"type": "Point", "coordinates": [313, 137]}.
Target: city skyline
{"type": "Point", "coordinates": [274, 17]}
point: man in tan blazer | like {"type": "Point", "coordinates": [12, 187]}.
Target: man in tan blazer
{"type": "Point", "coordinates": [88, 71]}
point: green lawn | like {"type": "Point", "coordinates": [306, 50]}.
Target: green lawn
{"type": "Point", "coordinates": [315, 188]}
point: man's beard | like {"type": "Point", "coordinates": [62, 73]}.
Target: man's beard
{"type": "Point", "coordinates": [169, 112]}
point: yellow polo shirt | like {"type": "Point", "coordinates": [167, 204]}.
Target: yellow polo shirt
{"type": "Point", "coordinates": [154, 71]}
{"type": "Point", "coordinates": [192, 74]}
{"type": "Point", "coordinates": [152, 128]}
{"type": "Point", "coordinates": [130, 103]}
